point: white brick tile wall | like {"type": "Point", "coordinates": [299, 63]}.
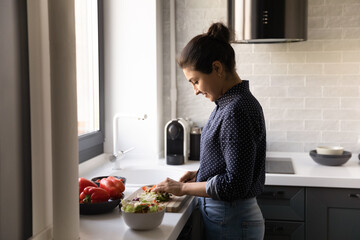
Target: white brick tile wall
{"type": "Point", "coordinates": [264, 102]}
{"type": "Point", "coordinates": [288, 57]}
{"type": "Point", "coordinates": [309, 91]}
{"type": "Point", "coordinates": [274, 114]}
{"type": "Point", "coordinates": [316, 22]}
{"type": "Point", "coordinates": [286, 102]}
{"type": "Point", "coordinates": [350, 103]}
{"type": "Point", "coordinates": [351, 10]}
{"type": "Point", "coordinates": [276, 136]}
{"type": "Point", "coordinates": [245, 68]}
{"type": "Point", "coordinates": [242, 48]}
{"type": "Point", "coordinates": [353, 126]}
{"type": "Point", "coordinates": [342, 2]}
{"type": "Point", "coordinates": [303, 136]}
{"type": "Point", "coordinates": [285, 146]}
{"type": "Point", "coordinates": [305, 68]}
{"type": "Point", "coordinates": [304, 92]}
{"type": "Point", "coordinates": [269, 92]}
{"type": "Point", "coordinates": [341, 137]}
{"type": "Point", "coordinates": [343, 45]}
{"type": "Point", "coordinates": [269, 47]}
{"type": "Point", "coordinates": [322, 103]}
{"type": "Point", "coordinates": [322, 80]}
{"type": "Point", "coordinates": [351, 33]}
{"type": "Point", "coordinates": [290, 81]}
{"type": "Point", "coordinates": [270, 68]}
{"type": "Point", "coordinates": [351, 56]}
{"type": "Point", "coordinates": [348, 114]}
{"type": "Point", "coordinates": [340, 91]}
{"type": "Point", "coordinates": [334, 22]}
{"type": "Point", "coordinates": [341, 68]}
{"type": "Point", "coordinates": [259, 80]}
{"type": "Point", "coordinates": [305, 114]}
{"type": "Point", "coordinates": [351, 80]}
{"type": "Point", "coordinates": [246, 58]}
{"type": "Point", "coordinates": [320, 33]}
{"type": "Point", "coordinates": [286, 125]}
{"type": "Point", "coordinates": [321, 125]}
{"type": "Point", "coordinates": [323, 57]}
{"type": "Point", "coordinates": [307, 46]}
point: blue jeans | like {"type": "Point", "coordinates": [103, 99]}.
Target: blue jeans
{"type": "Point", "coordinates": [241, 219]}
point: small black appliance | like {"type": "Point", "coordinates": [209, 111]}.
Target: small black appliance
{"type": "Point", "coordinates": [195, 136]}
{"type": "Point", "coordinates": [176, 141]}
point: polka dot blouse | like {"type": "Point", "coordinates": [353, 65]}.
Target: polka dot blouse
{"type": "Point", "coordinates": [233, 147]}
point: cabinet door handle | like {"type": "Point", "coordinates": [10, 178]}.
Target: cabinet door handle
{"type": "Point", "coordinates": [274, 228]}
{"type": "Point", "coordinates": [271, 194]}
{"type": "Point", "coordinates": [354, 195]}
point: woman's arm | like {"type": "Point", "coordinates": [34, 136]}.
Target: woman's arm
{"type": "Point", "coordinates": [180, 188]}
{"type": "Point", "coordinates": [189, 176]}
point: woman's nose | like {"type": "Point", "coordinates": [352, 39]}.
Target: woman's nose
{"type": "Point", "coordinates": [196, 91]}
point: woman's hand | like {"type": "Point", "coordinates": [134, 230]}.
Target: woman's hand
{"type": "Point", "coordinates": [189, 176]}
{"type": "Point", "coordinates": [170, 186]}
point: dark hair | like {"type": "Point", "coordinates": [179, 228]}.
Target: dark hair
{"type": "Point", "coordinates": [206, 48]}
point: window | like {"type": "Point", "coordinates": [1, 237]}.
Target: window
{"type": "Point", "coordinates": [90, 77]}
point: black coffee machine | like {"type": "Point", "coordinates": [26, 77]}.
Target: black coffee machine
{"type": "Point", "coordinates": [176, 141]}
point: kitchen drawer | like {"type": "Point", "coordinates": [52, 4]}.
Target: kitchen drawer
{"type": "Point", "coordinates": [283, 203]}
{"type": "Point", "coordinates": [275, 230]}
{"type": "Point", "coordinates": [332, 213]}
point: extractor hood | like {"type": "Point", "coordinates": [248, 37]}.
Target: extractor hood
{"type": "Point", "coordinates": [268, 21]}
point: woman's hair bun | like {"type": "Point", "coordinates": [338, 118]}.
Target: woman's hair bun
{"type": "Point", "coordinates": [220, 32]}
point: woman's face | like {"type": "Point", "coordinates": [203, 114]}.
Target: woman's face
{"type": "Point", "coordinates": [210, 85]}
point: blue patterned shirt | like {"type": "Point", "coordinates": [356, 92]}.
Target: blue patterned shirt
{"type": "Point", "coordinates": [233, 147]}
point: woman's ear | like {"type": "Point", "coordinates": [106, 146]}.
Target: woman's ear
{"type": "Point", "coordinates": [218, 67]}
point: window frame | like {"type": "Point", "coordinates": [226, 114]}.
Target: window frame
{"type": "Point", "coordinates": [92, 144]}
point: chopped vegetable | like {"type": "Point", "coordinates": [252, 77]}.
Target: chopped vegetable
{"type": "Point", "coordinates": [158, 197]}
{"type": "Point", "coordinates": [141, 207]}
{"type": "Point", "coordinates": [146, 201]}
{"type": "Point", "coordinates": [94, 195]}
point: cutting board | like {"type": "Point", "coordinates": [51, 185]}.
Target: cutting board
{"type": "Point", "coordinates": [173, 205]}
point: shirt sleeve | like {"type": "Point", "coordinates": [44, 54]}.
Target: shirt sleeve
{"type": "Point", "coordinates": [238, 142]}
{"type": "Point", "coordinates": [211, 189]}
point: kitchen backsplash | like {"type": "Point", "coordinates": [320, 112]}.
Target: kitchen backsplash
{"type": "Point", "coordinates": [309, 91]}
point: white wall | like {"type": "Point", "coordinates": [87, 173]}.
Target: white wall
{"type": "Point", "coordinates": [132, 77]}
{"type": "Point", "coordinates": [15, 142]}
{"type": "Point", "coordinates": [310, 91]}
{"type": "Point", "coordinates": [54, 140]}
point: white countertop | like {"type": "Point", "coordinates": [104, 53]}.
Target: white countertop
{"type": "Point", "coordinates": [112, 226]}
{"type": "Point", "coordinates": [310, 174]}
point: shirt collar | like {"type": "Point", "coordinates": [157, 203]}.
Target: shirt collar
{"type": "Point", "coordinates": [235, 90]}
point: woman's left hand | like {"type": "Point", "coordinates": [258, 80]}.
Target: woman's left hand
{"type": "Point", "coordinates": [170, 186]}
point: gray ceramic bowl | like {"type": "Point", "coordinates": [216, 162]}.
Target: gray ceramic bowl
{"type": "Point", "coordinates": [143, 221]}
{"type": "Point", "coordinates": [330, 160]}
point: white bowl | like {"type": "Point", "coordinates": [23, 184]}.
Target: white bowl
{"type": "Point", "coordinates": [330, 150]}
{"type": "Point", "coordinates": [143, 221]}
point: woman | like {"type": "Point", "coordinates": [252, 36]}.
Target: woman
{"type": "Point", "coordinates": [233, 142]}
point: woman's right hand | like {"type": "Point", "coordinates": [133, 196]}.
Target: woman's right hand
{"type": "Point", "coordinates": [189, 176]}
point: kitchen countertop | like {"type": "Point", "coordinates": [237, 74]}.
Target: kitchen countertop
{"type": "Point", "coordinates": [112, 226]}
{"type": "Point", "coordinates": [310, 174]}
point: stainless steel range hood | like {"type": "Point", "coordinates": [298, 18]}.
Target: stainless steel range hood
{"type": "Point", "coordinates": [268, 21]}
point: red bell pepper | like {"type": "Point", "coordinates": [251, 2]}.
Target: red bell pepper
{"type": "Point", "coordinates": [83, 183]}
{"type": "Point", "coordinates": [113, 185]}
{"type": "Point", "coordinates": [94, 195]}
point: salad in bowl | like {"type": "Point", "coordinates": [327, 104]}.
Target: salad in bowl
{"type": "Point", "coordinates": [146, 210]}
{"type": "Point", "coordinates": [146, 201]}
